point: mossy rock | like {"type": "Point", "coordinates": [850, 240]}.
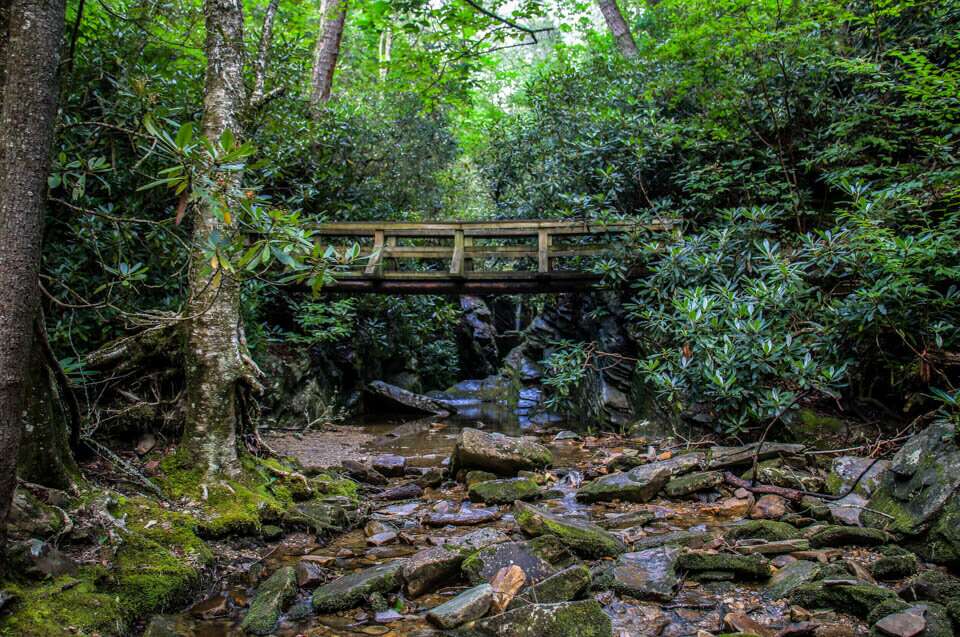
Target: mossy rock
{"type": "Point", "coordinates": [539, 558]}
{"type": "Point", "coordinates": [476, 476]}
{"type": "Point", "coordinates": [837, 536]}
{"type": "Point", "coordinates": [769, 530]}
{"type": "Point", "coordinates": [937, 619]}
{"type": "Point", "coordinates": [504, 491]}
{"type": "Point", "coordinates": [580, 536]}
{"type": "Point", "coordinates": [746, 566]}
{"type": "Point", "coordinates": [791, 577]}
{"type": "Point", "coordinates": [886, 607]}
{"type": "Point", "coordinates": [680, 486]}
{"type": "Point", "coordinates": [269, 602]}
{"type": "Point", "coordinates": [560, 587]}
{"type": "Point", "coordinates": [584, 618]}
{"type": "Point", "coordinates": [895, 563]}
{"type": "Point", "coordinates": [854, 599]}
{"type": "Point", "coordinates": [351, 590]}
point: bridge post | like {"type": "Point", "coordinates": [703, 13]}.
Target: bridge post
{"type": "Point", "coordinates": [373, 265]}
{"type": "Point", "coordinates": [456, 264]}
{"type": "Point", "coordinates": [543, 251]}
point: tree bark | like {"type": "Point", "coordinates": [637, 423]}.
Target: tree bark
{"type": "Point", "coordinates": [334, 14]}
{"type": "Point", "coordinates": [386, 52]}
{"type": "Point", "coordinates": [35, 29]}
{"type": "Point", "coordinates": [618, 27]}
{"type": "Point", "coordinates": [263, 53]}
{"type": "Point", "coordinates": [214, 366]}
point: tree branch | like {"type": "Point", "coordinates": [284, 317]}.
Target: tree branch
{"type": "Point", "coordinates": [510, 23]}
{"type": "Point", "coordinates": [263, 52]}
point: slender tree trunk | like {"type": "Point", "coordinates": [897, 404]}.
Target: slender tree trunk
{"type": "Point", "coordinates": [35, 30]}
{"type": "Point", "coordinates": [386, 50]}
{"type": "Point", "coordinates": [214, 366]}
{"type": "Point", "coordinates": [263, 53]}
{"type": "Point", "coordinates": [328, 50]}
{"type": "Point", "coordinates": [618, 27]}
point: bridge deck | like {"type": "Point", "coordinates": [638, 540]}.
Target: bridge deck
{"type": "Point", "coordinates": [452, 252]}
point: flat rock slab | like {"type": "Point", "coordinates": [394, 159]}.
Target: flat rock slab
{"type": "Point", "coordinates": [791, 577]}
{"type": "Point", "coordinates": [722, 457]}
{"type": "Point", "coordinates": [429, 568]}
{"type": "Point", "coordinates": [905, 624]}
{"type": "Point", "coordinates": [390, 465]}
{"type": "Point", "coordinates": [351, 590]}
{"type": "Point", "coordinates": [561, 587]}
{"type": "Point", "coordinates": [463, 517]}
{"type": "Point", "coordinates": [835, 536]}
{"type": "Point", "coordinates": [680, 486]}
{"type": "Point", "coordinates": [269, 602]}
{"type": "Point", "coordinates": [497, 453]}
{"type": "Point", "coordinates": [408, 491]}
{"type": "Point", "coordinates": [538, 558]}
{"type": "Point", "coordinates": [567, 619]}
{"type": "Point", "coordinates": [580, 536]}
{"type": "Point", "coordinates": [649, 574]}
{"type": "Point", "coordinates": [745, 566]}
{"type": "Point", "coordinates": [504, 491]}
{"type": "Point", "coordinates": [467, 606]}
{"type": "Point", "coordinates": [476, 540]}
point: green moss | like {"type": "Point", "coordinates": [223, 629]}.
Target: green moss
{"type": "Point", "coordinates": [581, 537]}
{"type": "Point", "coordinates": [769, 530]}
{"type": "Point", "coordinates": [46, 609]}
{"type": "Point", "coordinates": [754, 566]}
{"type": "Point", "coordinates": [857, 600]}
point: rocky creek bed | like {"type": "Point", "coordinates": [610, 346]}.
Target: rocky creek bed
{"type": "Point", "coordinates": [462, 531]}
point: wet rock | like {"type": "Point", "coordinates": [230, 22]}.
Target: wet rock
{"type": "Point", "coordinates": [409, 491]}
{"type": "Point", "coordinates": [431, 478]}
{"type": "Point", "coordinates": [506, 583]}
{"type": "Point", "coordinates": [560, 587]}
{"type": "Point", "coordinates": [497, 453]}
{"type": "Point", "coordinates": [362, 473]}
{"type": "Point", "coordinates": [476, 540]}
{"type": "Point", "coordinates": [769, 530]}
{"type": "Point", "coordinates": [908, 623]}
{"type": "Point", "coordinates": [815, 508]}
{"type": "Point", "coordinates": [721, 457]}
{"type": "Point", "coordinates": [745, 566]}
{"type": "Point", "coordinates": [211, 608]}
{"type": "Point", "coordinates": [373, 527]}
{"type": "Point", "coordinates": [780, 474]}
{"type": "Point", "coordinates": [691, 483]}
{"type": "Point", "coordinates": [473, 477]}
{"type": "Point", "coordinates": [271, 532]}
{"type": "Point", "coordinates": [626, 520]}
{"type": "Point", "coordinates": [773, 548]}
{"type": "Point", "coordinates": [847, 509]}
{"type": "Point", "coordinates": [407, 398]}
{"type": "Point", "coordinates": [854, 599]}
{"type": "Point", "coordinates": [846, 470]}
{"type": "Point", "coordinates": [503, 491]}
{"type": "Point", "coordinates": [317, 516]}
{"type": "Point", "coordinates": [894, 563]}
{"type": "Point", "coordinates": [745, 625]}
{"type": "Point", "coordinates": [381, 539]}
{"type": "Point", "coordinates": [566, 619]}
{"type": "Point", "coordinates": [848, 536]}
{"type": "Point", "coordinates": [692, 539]}
{"type": "Point", "coordinates": [269, 602]}
{"type": "Point", "coordinates": [463, 517]}
{"type": "Point", "coordinates": [349, 591]}
{"type": "Point", "coordinates": [769, 507]}
{"type": "Point", "coordinates": [300, 611]}
{"type": "Point", "coordinates": [539, 558]}
{"type": "Point", "coordinates": [649, 574]}
{"type": "Point", "coordinates": [390, 465]}
{"type": "Point", "coordinates": [918, 496]}
{"type": "Point", "coordinates": [791, 577]}
{"type": "Point", "coordinates": [580, 536]}
{"type": "Point", "coordinates": [163, 626]}
{"type": "Point", "coordinates": [430, 568]}
{"type": "Point", "coordinates": [467, 606]}
{"type": "Point", "coordinates": [934, 586]}
{"type": "Point", "coordinates": [310, 574]}
{"type": "Point", "coordinates": [639, 484]}
{"type": "Point", "coordinates": [566, 434]}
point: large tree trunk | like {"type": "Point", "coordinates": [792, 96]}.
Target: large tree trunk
{"type": "Point", "coordinates": [618, 27]}
{"type": "Point", "coordinates": [327, 50]}
{"type": "Point", "coordinates": [26, 135]}
{"type": "Point", "coordinates": [214, 366]}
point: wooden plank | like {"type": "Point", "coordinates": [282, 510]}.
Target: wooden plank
{"type": "Point", "coordinates": [456, 263]}
{"type": "Point", "coordinates": [373, 266]}
{"type": "Point", "coordinates": [484, 228]}
{"type": "Point", "coordinates": [543, 252]}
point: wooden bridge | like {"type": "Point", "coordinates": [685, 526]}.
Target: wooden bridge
{"type": "Point", "coordinates": [529, 256]}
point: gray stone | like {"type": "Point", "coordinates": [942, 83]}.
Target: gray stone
{"type": "Point", "coordinates": [580, 536]}
{"type": "Point", "coordinates": [476, 540]}
{"type": "Point", "coordinates": [497, 453]}
{"type": "Point", "coordinates": [693, 482]}
{"type": "Point", "coordinates": [845, 470]}
{"type": "Point", "coordinates": [692, 539]}
{"type": "Point", "coordinates": [566, 619]}
{"type": "Point", "coordinates": [791, 577]}
{"type": "Point", "coordinates": [503, 491]}
{"type": "Point", "coordinates": [835, 536]}
{"type": "Point", "coordinates": [310, 574]}
{"type": "Point", "coordinates": [539, 558]}
{"type": "Point", "coordinates": [721, 457]}
{"type": "Point", "coordinates": [639, 484]}
{"type": "Point", "coordinates": [467, 606]}
{"type": "Point", "coordinates": [560, 587]}
{"type": "Point", "coordinates": [350, 590]}
{"type": "Point", "coordinates": [427, 569]}
{"type": "Point", "coordinates": [908, 623]}
{"type": "Point", "coordinates": [649, 574]}
{"type": "Point", "coordinates": [269, 602]}
{"type": "Point", "coordinates": [390, 465]}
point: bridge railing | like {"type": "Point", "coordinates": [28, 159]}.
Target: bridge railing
{"type": "Point", "coordinates": [382, 243]}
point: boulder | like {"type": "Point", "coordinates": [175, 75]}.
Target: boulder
{"type": "Point", "coordinates": [791, 577]}
{"type": "Point", "coordinates": [769, 507]}
{"type": "Point", "coordinates": [408, 491]}
{"type": "Point", "coordinates": [692, 539]}
{"type": "Point", "coordinates": [429, 568]}
{"type": "Point", "coordinates": [845, 471]}
{"type": "Point", "coordinates": [918, 496]}
{"type": "Point", "coordinates": [560, 587]}
{"type": "Point", "coordinates": [926, 619]}
{"type": "Point", "coordinates": [269, 602]}
{"type": "Point", "coordinates": [894, 563]}
{"type": "Point", "coordinates": [473, 477]}
{"type": "Point", "coordinates": [539, 558]}
{"type": "Point", "coordinates": [469, 605]}
{"type": "Point", "coordinates": [350, 590]}
{"type": "Point", "coordinates": [745, 566]}
{"type": "Point", "coordinates": [407, 398]}
{"type": "Point", "coordinates": [466, 516]}
{"type": "Point", "coordinates": [693, 482]}
{"type": "Point", "coordinates": [580, 536]}
{"type": "Point", "coordinates": [504, 491]}
{"type": "Point", "coordinates": [310, 574]}
{"type": "Point", "coordinates": [835, 536]}
{"type": "Point", "coordinates": [649, 574]}
{"type": "Point", "coordinates": [639, 484]}
{"type": "Point", "coordinates": [854, 599]}
{"type": "Point", "coordinates": [566, 619]}
{"type": "Point", "coordinates": [476, 540]}
{"type": "Point", "coordinates": [497, 453]}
